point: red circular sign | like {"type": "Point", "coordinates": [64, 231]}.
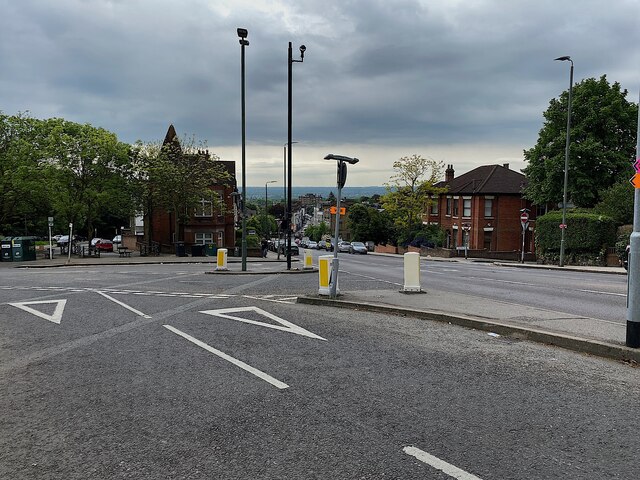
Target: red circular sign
{"type": "Point", "coordinates": [524, 217]}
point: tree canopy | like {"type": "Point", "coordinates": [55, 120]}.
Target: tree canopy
{"type": "Point", "coordinates": [602, 144]}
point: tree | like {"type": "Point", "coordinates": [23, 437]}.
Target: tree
{"type": "Point", "coordinates": [602, 144]}
{"type": "Point", "coordinates": [617, 203]}
{"type": "Point", "coordinates": [176, 176]}
{"type": "Point", "coordinates": [411, 191]}
{"type": "Point", "coordinates": [368, 224]}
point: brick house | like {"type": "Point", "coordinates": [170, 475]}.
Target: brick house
{"type": "Point", "coordinates": [207, 224]}
{"type": "Point", "coordinates": [483, 207]}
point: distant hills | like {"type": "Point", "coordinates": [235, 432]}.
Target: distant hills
{"type": "Point", "coordinates": [277, 192]}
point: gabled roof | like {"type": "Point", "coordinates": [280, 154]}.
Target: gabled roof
{"type": "Point", "coordinates": [487, 180]}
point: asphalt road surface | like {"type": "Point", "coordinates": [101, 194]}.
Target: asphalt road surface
{"type": "Point", "coordinates": [164, 372]}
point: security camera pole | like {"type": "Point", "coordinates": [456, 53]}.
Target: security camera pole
{"type": "Point", "coordinates": [342, 178]}
{"type": "Point", "coordinates": [633, 294]}
{"type": "Point", "coordinates": [242, 33]}
{"type": "Point", "coordinates": [287, 220]}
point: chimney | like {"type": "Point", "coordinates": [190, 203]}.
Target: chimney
{"type": "Point", "coordinates": [506, 165]}
{"type": "Point", "coordinates": [448, 173]}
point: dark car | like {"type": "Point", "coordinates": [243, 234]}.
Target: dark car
{"type": "Point", "coordinates": [294, 249]}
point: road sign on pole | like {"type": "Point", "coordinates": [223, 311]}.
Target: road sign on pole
{"type": "Point", "coordinates": [524, 217]}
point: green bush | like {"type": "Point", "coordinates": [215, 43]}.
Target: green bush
{"type": "Point", "coordinates": [586, 232]}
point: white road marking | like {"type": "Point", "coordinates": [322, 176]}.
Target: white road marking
{"type": "Point", "coordinates": [284, 326]}
{"type": "Point", "coordinates": [267, 378]}
{"type": "Point", "coordinates": [137, 312]}
{"type": "Point", "coordinates": [438, 464]}
{"type": "Point", "coordinates": [55, 317]}
{"type": "Point", "coordinates": [287, 300]}
{"type": "Point", "coordinates": [604, 293]}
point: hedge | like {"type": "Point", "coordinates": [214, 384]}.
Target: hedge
{"type": "Point", "coordinates": [585, 233]}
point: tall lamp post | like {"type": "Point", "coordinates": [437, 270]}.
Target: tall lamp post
{"type": "Point", "coordinates": [290, 63]}
{"type": "Point", "coordinates": [563, 227]}
{"type": "Point", "coordinates": [242, 33]}
{"type": "Point", "coordinates": [266, 206]}
{"type": "Point", "coordinates": [342, 178]}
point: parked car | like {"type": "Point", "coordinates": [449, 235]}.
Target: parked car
{"type": "Point", "coordinates": [62, 240]}
{"type": "Point", "coordinates": [294, 249]}
{"type": "Point", "coordinates": [358, 247]}
{"type": "Point", "coordinates": [344, 247]}
{"type": "Point", "coordinates": [117, 239]}
{"type": "Point", "coordinates": [103, 244]}
{"type": "Point", "coordinates": [313, 245]}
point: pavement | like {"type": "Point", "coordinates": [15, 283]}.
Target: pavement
{"type": "Point", "coordinates": [582, 334]}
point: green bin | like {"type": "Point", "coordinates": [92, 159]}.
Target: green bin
{"type": "Point", "coordinates": [23, 249]}
{"type": "Point", "coordinates": [211, 249]}
{"type": "Point", "coordinates": [7, 255]}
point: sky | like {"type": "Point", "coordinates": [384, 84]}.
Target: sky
{"type": "Point", "coordinates": [461, 82]}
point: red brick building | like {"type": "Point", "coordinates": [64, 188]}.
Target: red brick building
{"type": "Point", "coordinates": [208, 224]}
{"type": "Point", "coordinates": [483, 207]}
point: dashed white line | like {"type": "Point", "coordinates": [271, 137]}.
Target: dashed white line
{"type": "Point", "coordinates": [438, 464]}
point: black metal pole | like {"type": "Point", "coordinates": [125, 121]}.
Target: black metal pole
{"type": "Point", "coordinates": [289, 176]}
{"type": "Point", "coordinates": [243, 43]}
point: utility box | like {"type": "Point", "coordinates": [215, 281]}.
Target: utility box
{"type": "Point", "coordinates": [23, 249]}
{"type": "Point", "coordinates": [7, 254]}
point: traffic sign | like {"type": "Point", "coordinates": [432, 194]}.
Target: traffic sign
{"type": "Point", "coordinates": [635, 180]}
{"type": "Point", "coordinates": [524, 217]}
{"type": "Point", "coordinates": [333, 210]}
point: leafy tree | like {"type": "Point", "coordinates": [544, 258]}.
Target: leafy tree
{"type": "Point", "coordinates": [617, 203]}
{"type": "Point", "coordinates": [315, 232]}
{"type": "Point", "coordinates": [175, 177]}
{"type": "Point", "coordinates": [367, 223]}
{"type": "Point", "coordinates": [602, 143]}
{"type": "Point", "coordinates": [411, 190]}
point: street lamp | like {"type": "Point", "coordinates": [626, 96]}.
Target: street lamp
{"type": "Point", "coordinates": [287, 222]}
{"type": "Point", "coordinates": [265, 206]}
{"type": "Point", "coordinates": [242, 33]}
{"type": "Point", "coordinates": [563, 227]}
{"type": "Point", "coordinates": [342, 178]}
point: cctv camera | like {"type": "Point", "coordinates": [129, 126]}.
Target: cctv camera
{"type": "Point", "coordinates": [242, 32]}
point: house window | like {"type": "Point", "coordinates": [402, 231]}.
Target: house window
{"type": "Point", "coordinates": [466, 207]}
{"type": "Point", "coordinates": [449, 206]}
{"type": "Point", "coordinates": [488, 207]}
{"type": "Point", "coordinates": [455, 207]}
{"type": "Point", "coordinates": [434, 207]}
{"type": "Point", "coordinates": [204, 238]}
{"type": "Point", "coordinates": [204, 208]}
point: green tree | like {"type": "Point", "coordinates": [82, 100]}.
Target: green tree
{"type": "Point", "coordinates": [315, 232]}
{"type": "Point", "coordinates": [368, 224]}
{"type": "Point", "coordinates": [411, 191]}
{"type": "Point", "coordinates": [602, 143]}
{"type": "Point", "coordinates": [176, 177]}
{"type": "Point", "coordinates": [617, 202]}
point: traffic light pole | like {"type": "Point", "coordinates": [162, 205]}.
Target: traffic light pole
{"type": "Point", "coordinates": [633, 293]}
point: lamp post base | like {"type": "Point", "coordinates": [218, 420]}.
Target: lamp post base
{"type": "Point", "coordinates": [633, 334]}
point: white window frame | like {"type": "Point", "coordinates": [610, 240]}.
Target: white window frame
{"type": "Point", "coordinates": [488, 201]}
{"type": "Point", "coordinates": [205, 209]}
{"type": "Point", "coordinates": [466, 201]}
{"type": "Point", "coordinates": [203, 238]}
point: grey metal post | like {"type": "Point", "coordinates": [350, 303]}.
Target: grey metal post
{"type": "Point", "coordinates": [333, 286]}
{"type": "Point", "coordinates": [566, 162]}
{"type": "Point", "coordinates": [633, 294]}
{"type": "Point", "coordinates": [242, 33]}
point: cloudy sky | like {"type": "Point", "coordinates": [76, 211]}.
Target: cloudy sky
{"type": "Point", "coordinates": [464, 82]}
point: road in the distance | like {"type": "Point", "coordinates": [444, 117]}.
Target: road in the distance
{"type": "Point", "coordinates": [595, 295]}
{"type": "Point", "coordinates": [119, 389]}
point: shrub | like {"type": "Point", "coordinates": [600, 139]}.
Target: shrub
{"type": "Point", "coordinates": [586, 232]}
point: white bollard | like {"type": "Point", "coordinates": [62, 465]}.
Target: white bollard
{"type": "Point", "coordinates": [221, 259]}
{"type": "Point", "coordinates": [411, 272]}
{"type": "Point", "coordinates": [324, 271]}
{"type": "Point", "coordinates": [308, 259]}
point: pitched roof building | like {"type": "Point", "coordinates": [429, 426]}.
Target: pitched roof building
{"type": "Point", "coordinates": [482, 210]}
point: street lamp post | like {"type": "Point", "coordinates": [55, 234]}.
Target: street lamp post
{"type": "Point", "coordinates": [266, 233]}
{"type": "Point", "coordinates": [342, 178]}
{"type": "Point", "coordinates": [290, 63]}
{"type": "Point", "coordinates": [563, 227]}
{"type": "Point", "coordinates": [242, 33]}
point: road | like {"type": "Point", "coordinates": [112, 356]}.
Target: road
{"type": "Point", "coordinates": [578, 293]}
{"type": "Point", "coordinates": [162, 371]}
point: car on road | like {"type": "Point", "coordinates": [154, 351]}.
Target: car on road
{"type": "Point", "coordinates": [344, 247]}
{"type": "Point", "coordinates": [313, 245]}
{"type": "Point", "coordinates": [358, 247]}
{"type": "Point", "coordinates": [117, 239]}
{"type": "Point", "coordinates": [294, 249]}
{"type": "Point", "coordinates": [102, 244]}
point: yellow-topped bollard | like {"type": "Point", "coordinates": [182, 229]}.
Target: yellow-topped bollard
{"type": "Point", "coordinates": [221, 258]}
{"type": "Point", "coordinates": [324, 273]}
{"type": "Point", "coordinates": [308, 259]}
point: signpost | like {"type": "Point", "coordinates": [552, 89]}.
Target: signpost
{"type": "Point", "coordinates": [633, 293]}
{"type": "Point", "coordinates": [524, 220]}
{"type": "Point", "coordinates": [467, 228]}
{"type": "Point", "coordinates": [50, 219]}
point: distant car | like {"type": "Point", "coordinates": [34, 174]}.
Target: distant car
{"type": "Point", "coordinates": [103, 244]}
{"type": "Point", "coordinates": [117, 239]}
{"type": "Point", "coordinates": [313, 245]}
{"type": "Point", "coordinates": [344, 247]}
{"type": "Point", "coordinates": [358, 247]}
{"type": "Point", "coordinates": [62, 240]}
{"type": "Point", "coordinates": [625, 258]}
{"type": "Point", "coordinates": [294, 249]}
